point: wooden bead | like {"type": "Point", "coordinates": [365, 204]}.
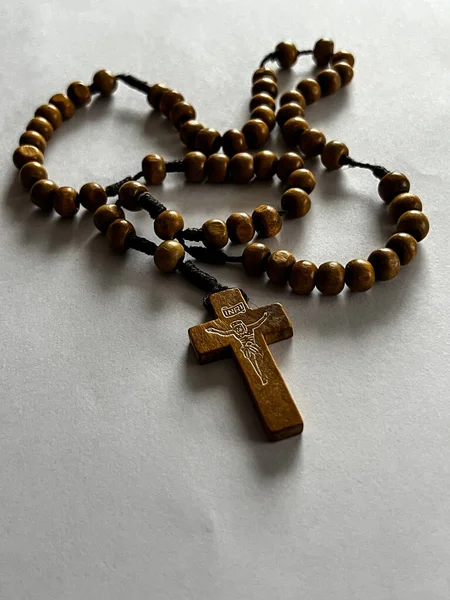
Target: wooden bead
{"type": "Point", "coordinates": [64, 104]}
{"type": "Point", "coordinates": [310, 90]}
{"type": "Point", "coordinates": [385, 263]}
{"type": "Point", "coordinates": [402, 203]}
{"type": "Point", "coordinates": [105, 215]}
{"type": "Point", "coordinates": [292, 130]}
{"type": "Point", "coordinates": [42, 126]}
{"type": "Point", "coordinates": [332, 155]}
{"type": "Point", "coordinates": [181, 113]}
{"type": "Point", "coordinates": [302, 278]}
{"type": "Point", "coordinates": [42, 194]}
{"type": "Point", "coordinates": [312, 142]}
{"type": "Point", "coordinates": [154, 169]}
{"type": "Point", "coordinates": [267, 220]}
{"type": "Point", "coordinates": [265, 84]}
{"type": "Point", "coordinates": [359, 275]}
{"type": "Point", "coordinates": [286, 54]}
{"type": "Point", "coordinates": [343, 56]}
{"type": "Point", "coordinates": [233, 142]}
{"type": "Point", "coordinates": [51, 113]}
{"type": "Point", "coordinates": [254, 258]}
{"type": "Point", "coordinates": [265, 164]}
{"type": "Point", "coordinates": [208, 141]}
{"type": "Point", "coordinates": [279, 266]}
{"type": "Point", "coordinates": [329, 81]}
{"type": "Point", "coordinates": [168, 101]}
{"type": "Point", "coordinates": [296, 203]}
{"type": "Point", "coordinates": [105, 82]}
{"type": "Point", "coordinates": [117, 234]}
{"type": "Point", "coordinates": [216, 168]}
{"type": "Point", "coordinates": [241, 167]}
{"type": "Point", "coordinates": [79, 93]}
{"type": "Point", "coordinates": [168, 256]}
{"type": "Point", "coordinates": [330, 278]}
{"type": "Point", "coordinates": [404, 245]}
{"type": "Point", "coordinates": [287, 164]}
{"type": "Point", "coordinates": [256, 133]}
{"type": "Point", "coordinates": [32, 172]}
{"type": "Point", "coordinates": [66, 202]}
{"type": "Point", "coordinates": [25, 154]}
{"type": "Point", "coordinates": [168, 224]}
{"type": "Point", "coordinates": [345, 72]}
{"type": "Point", "coordinates": [188, 133]}
{"type": "Point", "coordinates": [215, 233]}
{"type": "Point", "coordinates": [33, 138]}
{"type": "Point", "coordinates": [262, 99]}
{"type": "Point", "coordinates": [392, 185]}
{"type": "Point", "coordinates": [263, 72]}
{"type": "Point", "coordinates": [288, 111]}
{"type": "Point", "coordinates": [240, 228]}
{"type": "Point", "coordinates": [293, 96]}
{"type": "Point", "coordinates": [92, 196]}
{"type": "Point", "coordinates": [266, 114]}
{"type": "Point", "coordinates": [194, 167]}
{"type": "Point", "coordinates": [128, 194]}
{"type": "Point", "coordinates": [303, 179]}
{"type": "Point", "coordinates": [323, 51]}
{"type": "Point", "coordinates": [415, 223]}
{"type": "Point", "coordinates": [155, 94]}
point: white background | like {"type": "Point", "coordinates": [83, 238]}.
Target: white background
{"type": "Point", "coordinates": [127, 470]}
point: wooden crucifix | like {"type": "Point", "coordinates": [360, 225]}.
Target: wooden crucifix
{"type": "Point", "coordinates": [244, 334]}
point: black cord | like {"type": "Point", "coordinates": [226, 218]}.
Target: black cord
{"type": "Point", "coordinates": [378, 171]}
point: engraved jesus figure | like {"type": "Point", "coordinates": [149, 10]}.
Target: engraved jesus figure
{"type": "Point", "coordinates": [245, 335]}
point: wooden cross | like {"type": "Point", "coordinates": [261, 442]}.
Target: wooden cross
{"type": "Point", "coordinates": [244, 333]}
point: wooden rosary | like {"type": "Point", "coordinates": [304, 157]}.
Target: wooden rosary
{"type": "Point", "coordinates": [237, 330]}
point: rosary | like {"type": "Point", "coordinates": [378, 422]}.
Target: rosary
{"type": "Point", "coordinates": [236, 330]}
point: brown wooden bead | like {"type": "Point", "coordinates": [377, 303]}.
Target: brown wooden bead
{"type": "Point", "coordinates": [51, 113]}
{"type": "Point", "coordinates": [332, 155]}
{"type": "Point", "coordinates": [256, 133]}
{"type": "Point", "coordinates": [265, 164]}
{"type": "Point", "coordinates": [267, 220]}
{"type": "Point", "coordinates": [154, 169]}
{"type": "Point", "coordinates": [240, 228]}
{"type": "Point", "coordinates": [188, 133]}
{"type": "Point", "coordinates": [117, 234]}
{"type": "Point", "coordinates": [303, 179]}
{"type": "Point", "coordinates": [262, 99]}
{"type": "Point", "coordinates": [359, 275]}
{"type": "Point", "coordinates": [105, 82]}
{"type": "Point", "coordinates": [345, 72]}
{"type": "Point", "coordinates": [293, 129]}
{"type": "Point", "coordinates": [330, 278]}
{"type": "Point", "coordinates": [79, 93]}
{"type": "Point", "coordinates": [404, 245]}
{"type": "Point", "coordinates": [286, 54]}
{"type": "Point", "coordinates": [402, 203]}
{"type": "Point", "coordinates": [208, 141]}
{"type": "Point", "coordinates": [168, 256]}
{"type": "Point", "coordinates": [92, 196]}
{"type": "Point", "coordinates": [168, 224]}
{"type": "Point", "coordinates": [32, 172]}
{"type": "Point", "coordinates": [323, 51]}
{"type": "Point", "coordinates": [343, 56]}
{"type": "Point", "coordinates": [25, 154]}
{"type": "Point", "coordinates": [64, 104]}
{"type": "Point", "coordinates": [181, 112]}
{"type": "Point", "coordinates": [265, 84]}
{"type": "Point", "coordinates": [392, 185]}
{"type": "Point", "coordinates": [266, 114]}
{"type": "Point", "coordinates": [415, 223]}
{"type": "Point", "coordinates": [42, 194]}
{"type": "Point", "coordinates": [42, 126]}
{"type": "Point", "coordinates": [254, 258]}
{"type": "Point", "coordinates": [155, 94]}
{"type": "Point", "coordinates": [128, 194]}
{"type": "Point", "coordinates": [312, 142]}
{"type": "Point", "coordinates": [288, 111]}
{"type": "Point", "coordinates": [216, 168]}
{"type": "Point", "coordinates": [329, 81]}
{"type": "Point", "coordinates": [263, 72]}
{"type": "Point", "coordinates": [302, 278]}
{"type": "Point", "coordinates": [215, 233]}
{"type": "Point", "coordinates": [233, 142]}
{"type": "Point", "coordinates": [296, 203]}
{"type": "Point", "coordinates": [293, 96]}
{"type": "Point", "coordinates": [33, 138]}
{"type": "Point", "coordinates": [66, 202]}
{"type": "Point", "coordinates": [241, 167]}
{"type": "Point", "coordinates": [287, 164]}
{"type": "Point", "coordinates": [385, 263]}
{"type": "Point", "coordinates": [194, 167]}
{"type": "Point", "coordinates": [168, 101]}
{"type": "Point", "coordinates": [310, 90]}
{"type": "Point", "coordinates": [279, 266]}
{"type": "Point", "coordinates": [105, 215]}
